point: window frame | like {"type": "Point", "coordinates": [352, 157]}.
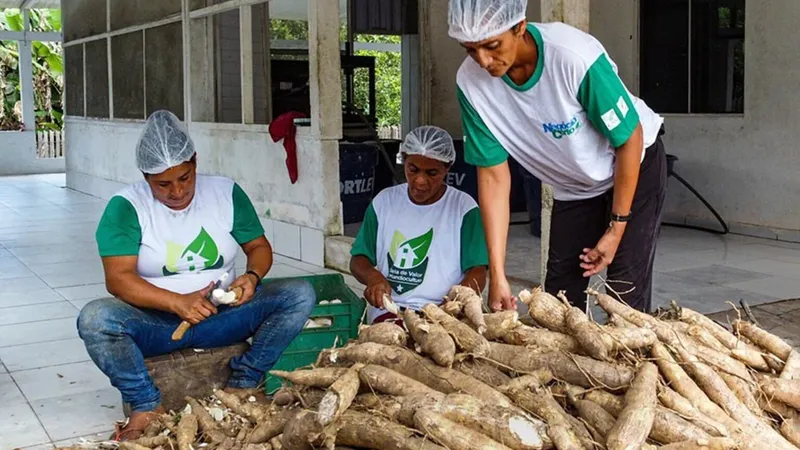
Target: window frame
{"type": "Point", "coordinates": [639, 20]}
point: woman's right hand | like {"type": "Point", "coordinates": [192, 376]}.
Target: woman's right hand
{"type": "Point", "coordinates": [194, 307]}
{"type": "Point", "coordinates": [500, 297]}
{"type": "Point", "coordinates": [376, 289]}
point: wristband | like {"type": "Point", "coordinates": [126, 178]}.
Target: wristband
{"type": "Point", "coordinates": [258, 278]}
{"type": "Point", "coordinates": [618, 218]}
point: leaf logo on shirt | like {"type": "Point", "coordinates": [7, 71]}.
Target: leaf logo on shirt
{"type": "Point", "coordinates": [408, 261]}
{"type": "Point", "coordinates": [201, 254]}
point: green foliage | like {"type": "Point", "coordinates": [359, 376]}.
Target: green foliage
{"type": "Point", "coordinates": [48, 72]}
{"type": "Point", "coordinates": [387, 69]}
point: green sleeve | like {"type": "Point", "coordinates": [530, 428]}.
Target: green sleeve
{"type": "Point", "coordinates": [367, 238]}
{"type": "Point", "coordinates": [119, 233]}
{"type": "Point", "coordinates": [481, 148]}
{"type": "Point", "coordinates": [607, 103]}
{"type": "Point", "coordinates": [474, 252]}
{"type": "Point", "coordinates": [246, 225]}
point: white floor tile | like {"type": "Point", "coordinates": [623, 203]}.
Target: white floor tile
{"type": "Point", "coordinates": [82, 414]}
{"type": "Point", "coordinates": [9, 392]}
{"type": "Point", "coordinates": [96, 437]}
{"type": "Point", "coordinates": [23, 285]}
{"type": "Point", "coordinates": [38, 259]}
{"type": "Point", "coordinates": [44, 331]}
{"type": "Point", "coordinates": [70, 280]}
{"type": "Point", "coordinates": [777, 287]}
{"type": "Point", "coordinates": [55, 381]}
{"type": "Point", "coordinates": [19, 427]}
{"type": "Point", "coordinates": [36, 313]}
{"type": "Point", "coordinates": [29, 298]}
{"type": "Point", "coordinates": [719, 274]}
{"type": "Point", "coordinates": [771, 267]}
{"type": "Point", "coordinates": [43, 354]}
{"type": "Point", "coordinates": [79, 304]}
{"type": "Point", "coordinates": [89, 291]}
{"type": "Point", "coordinates": [40, 447]}
{"type": "Point", "coordinates": [67, 267]}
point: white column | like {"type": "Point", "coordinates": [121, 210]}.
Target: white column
{"type": "Point", "coordinates": [577, 14]}
{"type": "Point", "coordinates": [325, 68]}
{"type": "Point", "coordinates": [26, 77]}
{"type": "Point", "coordinates": [410, 82]}
{"type": "Point", "coordinates": [326, 103]}
{"type": "Point", "coordinates": [186, 34]}
{"type": "Point", "coordinates": [246, 58]}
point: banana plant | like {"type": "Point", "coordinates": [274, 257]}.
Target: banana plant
{"type": "Point", "coordinates": [48, 71]}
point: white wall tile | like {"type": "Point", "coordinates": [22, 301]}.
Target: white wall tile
{"type": "Point", "coordinates": [312, 246]}
{"type": "Point", "coordinates": [287, 239]}
{"type": "Point", "coordinates": [269, 229]}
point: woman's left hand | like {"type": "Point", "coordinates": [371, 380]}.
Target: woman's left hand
{"type": "Point", "coordinates": [598, 258]}
{"type": "Point", "coordinates": [248, 285]}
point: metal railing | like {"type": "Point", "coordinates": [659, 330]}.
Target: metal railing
{"type": "Point", "coordinates": [49, 144]}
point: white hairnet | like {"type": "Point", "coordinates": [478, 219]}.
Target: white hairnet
{"type": "Point", "coordinates": [164, 143]}
{"type": "Point", "coordinates": [432, 142]}
{"type": "Point", "coordinates": [478, 20]}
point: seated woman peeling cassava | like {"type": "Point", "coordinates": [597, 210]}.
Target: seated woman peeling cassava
{"type": "Point", "coordinates": [164, 242]}
{"type": "Point", "coordinates": [420, 238]}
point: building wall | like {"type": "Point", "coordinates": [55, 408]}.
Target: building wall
{"type": "Point", "coordinates": [746, 166]}
{"type": "Point", "coordinates": [297, 217]}
{"type": "Point", "coordinates": [18, 155]}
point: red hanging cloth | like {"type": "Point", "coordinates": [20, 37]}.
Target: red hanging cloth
{"type": "Point", "coordinates": [283, 128]}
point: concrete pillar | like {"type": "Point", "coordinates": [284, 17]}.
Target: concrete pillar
{"type": "Point", "coordinates": [410, 82]}
{"type": "Point", "coordinates": [440, 58]}
{"type": "Point", "coordinates": [324, 59]}
{"type": "Point", "coordinates": [325, 67]}
{"type": "Point", "coordinates": [203, 98]}
{"type": "Point", "coordinates": [577, 14]}
{"type": "Point", "coordinates": [26, 77]}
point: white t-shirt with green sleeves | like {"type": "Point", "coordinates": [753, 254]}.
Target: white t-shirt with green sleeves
{"type": "Point", "coordinates": [180, 251]}
{"type": "Point", "coordinates": [422, 250]}
{"type": "Point", "coordinates": [564, 123]}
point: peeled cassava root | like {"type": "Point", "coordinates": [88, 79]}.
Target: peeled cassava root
{"type": "Point", "coordinates": [458, 378]}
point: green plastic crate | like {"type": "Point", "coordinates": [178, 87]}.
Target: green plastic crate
{"type": "Point", "coordinates": [346, 317]}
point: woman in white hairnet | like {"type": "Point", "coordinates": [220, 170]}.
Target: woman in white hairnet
{"type": "Point", "coordinates": [420, 238]}
{"type": "Point", "coordinates": [549, 95]}
{"type": "Point", "coordinates": [164, 242]}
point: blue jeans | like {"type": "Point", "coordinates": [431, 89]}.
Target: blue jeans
{"type": "Point", "coordinates": [118, 336]}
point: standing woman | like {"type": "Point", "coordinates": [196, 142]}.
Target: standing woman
{"type": "Point", "coordinates": [549, 95]}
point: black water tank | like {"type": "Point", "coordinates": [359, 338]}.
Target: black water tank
{"type": "Point", "coordinates": [356, 179]}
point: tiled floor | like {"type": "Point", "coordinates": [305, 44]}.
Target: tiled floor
{"type": "Point", "coordinates": [51, 392]}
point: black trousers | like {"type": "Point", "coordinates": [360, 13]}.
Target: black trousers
{"type": "Point", "coordinates": [580, 224]}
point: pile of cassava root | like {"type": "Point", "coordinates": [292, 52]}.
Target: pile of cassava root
{"type": "Point", "coordinates": [456, 378]}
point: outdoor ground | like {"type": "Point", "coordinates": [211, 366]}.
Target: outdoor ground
{"type": "Point", "coordinates": [51, 392]}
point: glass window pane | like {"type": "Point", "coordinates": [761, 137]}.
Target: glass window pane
{"type": "Point", "coordinates": [717, 56]}
{"type": "Point", "coordinates": [127, 66]}
{"type": "Point", "coordinates": [664, 55]}
{"type": "Point", "coordinates": [164, 69]}
{"type": "Point", "coordinates": [97, 79]}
